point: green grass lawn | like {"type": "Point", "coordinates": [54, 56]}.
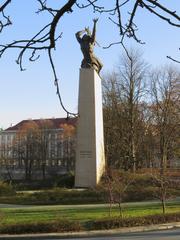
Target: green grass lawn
{"type": "Point", "coordinates": [80, 213]}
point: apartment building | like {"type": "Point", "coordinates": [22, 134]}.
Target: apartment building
{"type": "Point", "coordinates": [37, 148]}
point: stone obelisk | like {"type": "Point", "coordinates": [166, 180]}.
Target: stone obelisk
{"type": "Point", "coordinates": [90, 158]}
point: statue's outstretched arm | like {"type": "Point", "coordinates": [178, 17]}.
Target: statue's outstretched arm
{"type": "Point", "coordinates": [94, 30]}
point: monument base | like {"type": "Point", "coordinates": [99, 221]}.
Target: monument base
{"type": "Point", "coordinates": [90, 158]}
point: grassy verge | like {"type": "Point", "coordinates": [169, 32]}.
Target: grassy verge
{"type": "Point", "coordinates": [76, 218]}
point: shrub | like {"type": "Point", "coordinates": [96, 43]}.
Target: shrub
{"type": "Point", "coordinates": [143, 180]}
{"type": "Point", "coordinates": [6, 189]}
{"type": "Point", "coordinates": [139, 193]}
{"type": "Point", "coordinates": [66, 180]}
{"type": "Point", "coordinates": [2, 215]}
{"type": "Point", "coordinates": [63, 196]}
{"type": "Point", "coordinates": [41, 227]}
{"type": "Point", "coordinates": [109, 223]}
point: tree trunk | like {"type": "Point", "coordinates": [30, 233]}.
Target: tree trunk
{"type": "Point", "coordinates": [163, 202]}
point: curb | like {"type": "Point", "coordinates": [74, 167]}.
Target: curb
{"type": "Point", "coordinates": [166, 226]}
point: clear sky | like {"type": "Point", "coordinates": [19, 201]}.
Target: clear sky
{"type": "Point", "coordinates": [32, 94]}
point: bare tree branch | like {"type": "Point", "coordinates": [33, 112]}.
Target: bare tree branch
{"type": "Point", "coordinates": [4, 5]}
{"type": "Point", "coordinates": [44, 40]}
{"type": "Point", "coordinates": [173, 59]}
{"type": "Point", "coordinates": [57, 85]}
{"type": "Point", "coordinates": [6, 18]}
{"type": "Point", "coordinates": [7, 23]}
{"type": "Point", "coordinates": [160, 16]}
{"type": "Point", "coordinates": [164, 9]}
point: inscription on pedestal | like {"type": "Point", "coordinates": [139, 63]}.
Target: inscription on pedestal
{"type": "Point", "coordinates": [85, 154]}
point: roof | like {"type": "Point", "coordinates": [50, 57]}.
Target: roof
{"type": "Point", "coordinates": [55, 123]}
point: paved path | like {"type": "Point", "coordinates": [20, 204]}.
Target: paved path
{"type": "Point", "coordinates": [10, 206]}
{"type": "Point", "coordinates": [153, 235]}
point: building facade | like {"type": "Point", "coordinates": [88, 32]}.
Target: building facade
{"type": "Point", "coordinates": [39, 148]}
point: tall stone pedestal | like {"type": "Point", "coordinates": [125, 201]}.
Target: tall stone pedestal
{"type": "Point", "coordinates": [90, 159]}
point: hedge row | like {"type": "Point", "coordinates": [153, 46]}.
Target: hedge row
{"type": "Point", "coordinates": [75, 226]}
{"type": "Point", "coordinates": [66, 180]}
{"type": "Point", "coordinates": [108, 223]}
{"type": "Point", "coordinates": [41, 227]}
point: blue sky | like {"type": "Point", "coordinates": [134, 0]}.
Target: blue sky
{"type": "Point", "coordinates": [31, 93]}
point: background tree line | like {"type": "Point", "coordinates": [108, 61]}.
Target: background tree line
{"type": "Point", "coordinates": [141, 114]}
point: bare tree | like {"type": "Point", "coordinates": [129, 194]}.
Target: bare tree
{"type": "Point", "coordinates": [47, 36]}
{"type": "Point", "coordinates": [5, 161]}
{"type": "Point", "coordinates": [123, 110]}
{"type": "Point", "coordinates": [113, 121]}
{"type": "Point", "coordinates": [164, 126]}
{"type": "Point", "coordinates": [116, 183]}
{"type": "Point", "coordinates": [161, 183]}
{"type": "Point", "coordinates": [165, 111]}
{"type": "Point", "coordinates": [44, 130]}
{"type": "Point", "coordinates": [67, 137]}
{"type": "Point", "coordinates": [132, 75]}
{"type": "Point", "coordinates": [26, 146]}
